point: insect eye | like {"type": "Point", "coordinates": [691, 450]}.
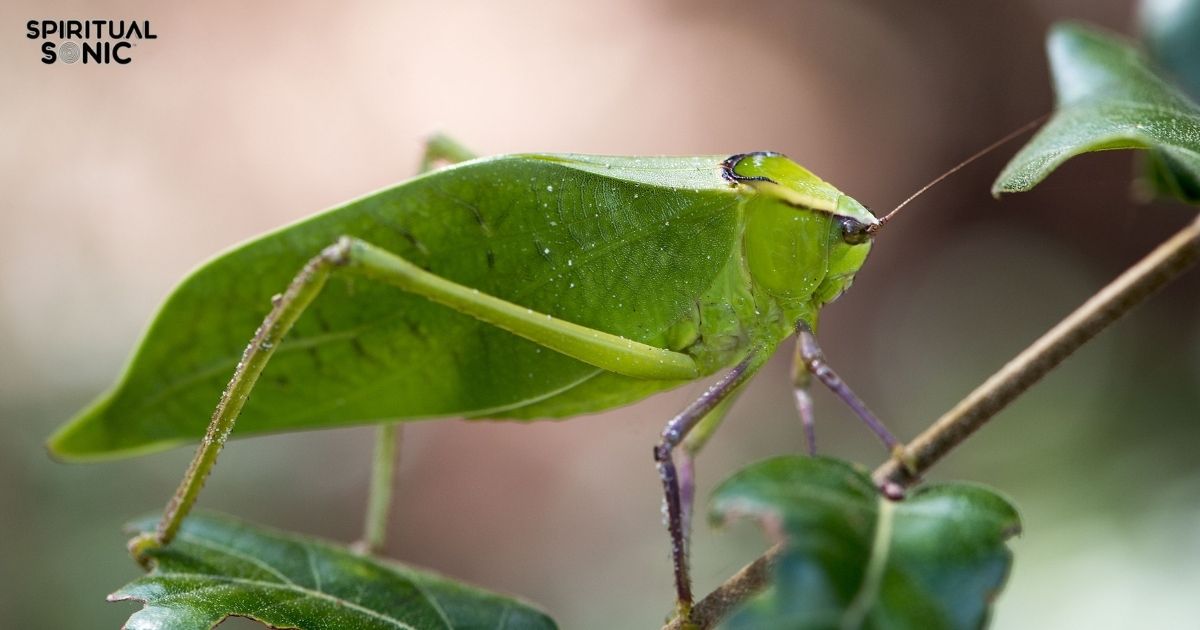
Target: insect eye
{"type": "Point", "coordinates": [854, 232]}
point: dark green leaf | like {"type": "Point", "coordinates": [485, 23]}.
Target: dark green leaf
{"type": "Point", "coordinates": [1171, 32]}
{"type": "Point", "coordinates": [854, 559]}
{"type": "Point", "coordinates": [219, 567]}
{"type": "Point", "coordinates": [1108, 98]}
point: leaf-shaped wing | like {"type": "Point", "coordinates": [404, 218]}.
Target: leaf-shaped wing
{"type": "Point", "coordinates": [219, 567]}
{"type": "Point", "coordinates": [622, 245]}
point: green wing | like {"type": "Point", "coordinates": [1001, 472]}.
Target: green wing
{"type": "Point", "coordinates": [624, 245]}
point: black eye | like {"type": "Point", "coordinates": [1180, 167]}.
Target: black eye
{"type": "Point", "coordinates": [854, 232]}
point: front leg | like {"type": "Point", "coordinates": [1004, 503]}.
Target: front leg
{"type": "Point", "coordinates": [813, 361]}
{"type": "Point", "coordinates": [802, 396]}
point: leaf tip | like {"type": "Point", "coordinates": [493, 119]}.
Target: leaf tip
{"type": "Point", "coordinates": [1067, 29]}
{"type": "Point", "coordinates": [59, 444]}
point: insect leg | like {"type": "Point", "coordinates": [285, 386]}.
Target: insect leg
{"type": "Point", "coordinates": [700, 410]}
{"type": "Point", "coordinates": [692, 444]}
{"type": "Point", "coordinates": [814, 361]}
{"type": "Point", "coordinates": [604, 350]}
{"type": "Point", "coordinates": [801, 386]}
{"type": "Point", "coordinates": [438, 148]}
{"type": "Point", "coordinates": [442, 148]}
{"type": "Point", "coordinates": [287, 308]}
{"type": "Point", "coordinates": [385, 460]}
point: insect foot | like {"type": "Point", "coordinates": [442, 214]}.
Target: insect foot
{"type": "Point", "coordinates": [892, 490]}
{"type": "Point", "coordinates": [140, 544]}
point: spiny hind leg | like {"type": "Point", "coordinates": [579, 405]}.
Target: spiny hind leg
{"type": "Point", "coordinates": [596, 347]}
{"type": "Point", "coordinates": [706, 411]}
{"type": "Point", "coordinates": [286, 309]}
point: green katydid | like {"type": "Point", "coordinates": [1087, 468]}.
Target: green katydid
{"type": "Point", "coordinates": [513, 287]}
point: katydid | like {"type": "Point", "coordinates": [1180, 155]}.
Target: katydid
{"type": "Point", "coordinates": [513, 288]}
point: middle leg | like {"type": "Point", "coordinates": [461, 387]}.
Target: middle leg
{"type": "Point", "coordinates": [672, 436]}
{"type": "Point", "coordinates": [691, 447]}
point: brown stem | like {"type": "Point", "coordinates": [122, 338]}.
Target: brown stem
{"type": "Point", "coordinates": [1131, 288]}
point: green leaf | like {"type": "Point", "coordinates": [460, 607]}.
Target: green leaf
{"type": "Point", "coordinates": [1171, 32]}
{"type": "Point", "coordinates": [219, 567]}
{"type": "Point", "coordinates": [854, 559]}
{"type": "Point", "coordinates": [1109, 98]}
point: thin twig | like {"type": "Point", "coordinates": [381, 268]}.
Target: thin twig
{"type": "Point", "coordinates": [1132, 287]}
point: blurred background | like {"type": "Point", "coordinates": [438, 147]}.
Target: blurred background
{"type": "Point", "coordinates": [242, 117]}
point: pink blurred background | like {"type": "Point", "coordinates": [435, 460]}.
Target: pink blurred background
{"type": "Point", "coordinates": [239, 118]}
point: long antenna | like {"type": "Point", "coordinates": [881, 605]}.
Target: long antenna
{"type": "Point", "coordinates": [982, 152]}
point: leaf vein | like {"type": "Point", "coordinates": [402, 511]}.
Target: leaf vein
{"type": "Point", "coordinates": [230, 551]}
{"type": "Point", "coordinates": [230, 580]}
